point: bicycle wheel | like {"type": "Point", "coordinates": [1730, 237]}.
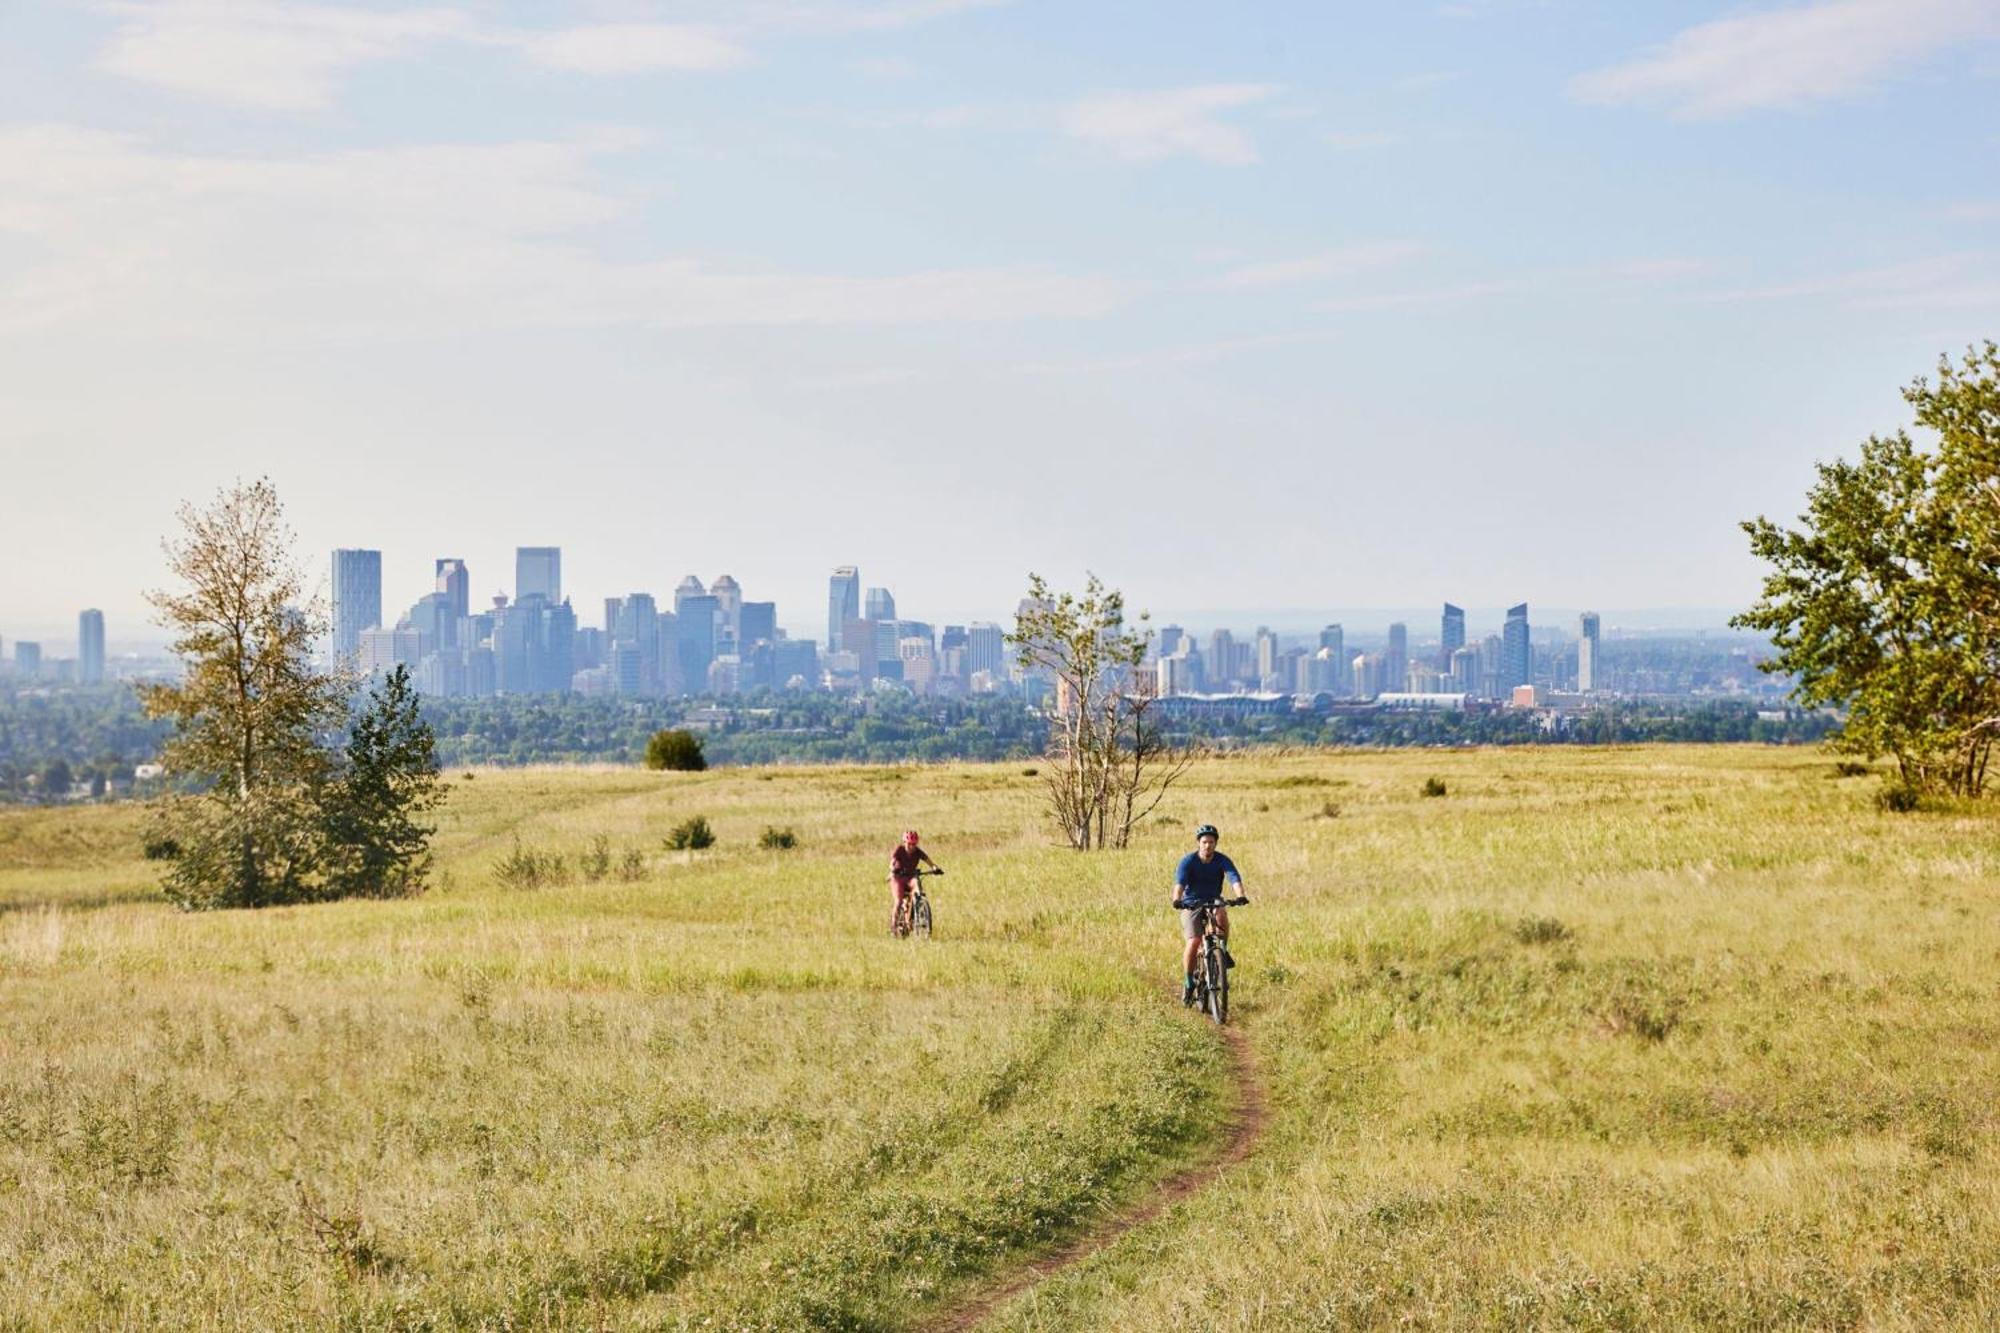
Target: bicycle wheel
{"type": "Point", "coordinates": [1216, 973]}
{"type": "Point", "coordinates": [920, 918]}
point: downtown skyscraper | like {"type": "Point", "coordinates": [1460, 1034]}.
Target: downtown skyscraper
{"type": "Point", "coordinates": [1517, 663]}
{"type": "Point", "coordinates": [90, 648]}
{"type": "Point", "coordinates": [357, 599]}
{"type": "Point", "coordinates": [1586, 652]}
{"type": "Point", "coordinates": [1451, 634]}
{"type": "Point", "coordinates": [538, 573]}
{"type": "Point", "coordinates": [843, 603]}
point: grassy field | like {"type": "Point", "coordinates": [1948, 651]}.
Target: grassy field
{"type": "Point", "coordinates": [1661, 1038]}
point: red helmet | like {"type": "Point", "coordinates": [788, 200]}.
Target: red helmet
{"type": "Point", "coordinates": [910, 837]}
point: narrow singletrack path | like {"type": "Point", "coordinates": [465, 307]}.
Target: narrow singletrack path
{"type": "Point", "coordinates": [1243, 1129]}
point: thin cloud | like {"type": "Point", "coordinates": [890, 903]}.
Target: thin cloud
{"type": "Point", "coordinates": [1936, 282]}
{"type": "Point", "coordinates": [435, 240]}
{"type": "Point", "coordinates": [627, 48]}
{"type": "Point", "coordinates": [1359, 141]}
{"type": "Point", "coordinates": [1787, 58]}
{"type": "Point", "coordinates": [1341, 263]}
{"type": "Point", "coordinates": [1175, 122]}
{"type": "Point", "coordinates": [1425, 296]}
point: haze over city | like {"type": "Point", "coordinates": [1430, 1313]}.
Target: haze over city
{"type": "Point", "coordinates": [1249, 312]}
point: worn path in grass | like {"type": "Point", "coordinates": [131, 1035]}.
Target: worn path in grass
{"type": "Point", "coordinates": [1243, 1129]}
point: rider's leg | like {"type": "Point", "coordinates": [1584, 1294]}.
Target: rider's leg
{"type": "Point", "coordinates": [1222, 922]}
{"type": "Point", "coordinates": [900, 891]}
{"type": "Point", "coordinates": [1192, 940]}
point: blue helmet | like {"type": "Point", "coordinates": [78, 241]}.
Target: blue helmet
{"type": "Point", "coordinates": [1207, 831]}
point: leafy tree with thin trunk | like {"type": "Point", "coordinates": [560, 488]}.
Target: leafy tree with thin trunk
{"type": "Point", "coordinates": [1886, 599]}
{"type": "Point", "coordinates": [1109, 762]}
{"type": "Point", "coordinates": [377, 845]}
{"type": "Point", "coordinates": [250, 714]}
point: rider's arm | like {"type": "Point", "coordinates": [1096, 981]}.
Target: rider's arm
{"type": "Point", "coordinates": [923, 855]}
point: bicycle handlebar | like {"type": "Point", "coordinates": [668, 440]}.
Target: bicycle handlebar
{"type": "Point", "coordinates": [1184, 906]}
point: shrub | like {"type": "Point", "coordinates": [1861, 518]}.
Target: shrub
{"type": "Point", "coordinates": [1540, 930]}
{"type": "Point", "coordinates": [596, 863]}
{"type": "Point", "coordinates": [632, 866]}
{"type": "Point", "coordinates": [1328, 810]}
{"type": "Point", "coordinates": [1030, 772]}
{"type": "Point", "coordinates": [776, 839]}
{"type": "Point", "coordinates": [1897, 798]}
{"type": "Point", "coordinates": [526, 868]}
{"type": "Point", "coordinates": [675, 750]}
{"type": "Point", "coordinates": [1850, 768]}
{"type": "Point", "coordinates": [160, 847]}
{"type": "Point", "coordinates": [690, 835]}
{"type": "Point", "coordinates": [1433, 787]}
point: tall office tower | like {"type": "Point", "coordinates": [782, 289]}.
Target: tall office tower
{"type": "Point", "coordinates": [611, 605]}
{"type": "Point", "coordinates": [558, 649]}
{"type": "Point", "coordinates": [90, 648]}
{"type": "Point", "coordinates": [697, 622]}
{"type": "Point", "coordinates": [434, 622]}
{"type": "Point", "coordinates": [859, 636]}
{"type": "Point", "coordinates": [728, 597]}
{"type": "Point", "coordinates": [357, 599]}
{"type": "Point", "coordinates": [795, 664]}
{"type": "Point", "coordinates": [1586, 652]}
{"type": "Point", "coordinates": [881, 605]}
{"type": "Point", "coordinates": [27, 660]}
{"type": "Point", "coordinates": [538, 573]}
{"type": "Point", "coordinates": [1170, 639]}
{"type": "Point", "coordinates": [843, 603]}
{"type": "Point", "coordinates": [637, 625]}
{"type": "Point", "coordinates": [1396, 661]}
{"type": "Point", "coordinates": [986, 648]}
{"type": "Point", "coordinates": [1451, 634]}
{"type": "Point", "coordinates": [1221, 659]}
{"type": "Point", "coordinates": [455, 582]}
{"type": "Point", "coordinates": [1516, 658]}
{"type": "Point", "coordinates": [1267, 658]}
{"type": "Point", "coordinates": [688, 587]}
{"type": "Point", "coordinates": [1367, 670]}
{"type": "Point", "coordinates": [888, 654]}
{"type": "Point", "coordinates": [756, 622]}
{"type": "Point", "coordinates": [1333, 674]}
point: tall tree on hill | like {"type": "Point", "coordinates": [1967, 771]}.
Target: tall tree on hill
{"type": "Point", "coordinates": [1886, 600]}
{"type": "Point", "coordinates": [376, 843]}
{"type": "Point", "coordinates": [250, 714]}
{"type": "Point", "coordinates": [1109, 762]}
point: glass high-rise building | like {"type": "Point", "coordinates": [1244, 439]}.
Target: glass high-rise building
{"type": "Point", "coordinates": [986, 648]}
{"type": "Point", "coordinates": [357, 599]}
{"type": "Point", "coordinates": [1586, 652]}
{"type": "Point", "coordinates": [1451, 634]}
{"type": "Point", "coordinates": [1517, 663]}
{"type": "Point", "coordinates": [455, 582]}
{"type": "Point", "coordinates": [90, 648]}
{"type": "Point", "coordinates": [843, 603]}
{"type": "Point", "coordinates": [881, 604]}
{"type": "Point", "coordinates": [538, 573]}
{"type": "Point", "coordinates": [1396, 661]}
{"type": "Point", "coordinates": [697, 619]}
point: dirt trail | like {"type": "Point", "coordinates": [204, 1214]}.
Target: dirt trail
{"type": "Point", "coordinates": [1243, 1129]}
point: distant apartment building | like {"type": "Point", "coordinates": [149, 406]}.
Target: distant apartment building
{"type": "Point", "coordinates": [1586, 652]}
{"type": "Point", "coordinates": [357, 599]}
{"type": "Point", "coordinates": [986, 648]}
{"type": "Point", "coordinates": [381, 651]}
{"type": "Point", "coordinates": [1517, 661]}
{"type": "Point", "coordinates": [538, 573]}
{"type": "Point", "coordinates": [90, 648]}
{"type": "Point", "coordinates": [1396, 660]}
{"type": "Point", "coordinates": [27, 659]}
{"type": "Point", "coordinates": [843, 603]}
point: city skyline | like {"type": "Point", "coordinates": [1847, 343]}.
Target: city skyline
{"type": "Point", "coordinates": [1380, 285]}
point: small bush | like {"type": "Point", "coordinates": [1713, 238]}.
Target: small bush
{"type": "Point", "coordinates": [1540, 930]}
{"type": "Point", "coordinates": [526, 868]}
{"type": "Point", "coordinates": [160, 847]}
{"type": "Point", "coordinates": [468, 775]}
{"type": "Point", "coordinates": [1166, 821]}
{"type": "Point", "coordinates": [632, 866]}
{"type": "Point", "coordinates": [690, 835]}
{"type": "Point", "coordinates": [1305, 780]}
{"type": "Point", "coordinates": [775, 839]}
{"type": "Point", "coordinates": [1850, 768]}
{"type": "Point", "coordinates": [1649, 1019]}
{"type": "Point", "coordinates": [1328, 810]}
{"type": "Point", "coordinates": [675, 750]}
{"type": "Point", "coordinates": [1897, 798]}
{"type": "Point", "coordinates": [1030, 772]}
{"type": "Point", "coordinates": [1433, 787]}
{"type": "Point", "coordinates": [596, 863]}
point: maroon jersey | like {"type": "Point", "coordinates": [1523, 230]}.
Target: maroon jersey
{"type": "Point", "coordinates": [903, 860]}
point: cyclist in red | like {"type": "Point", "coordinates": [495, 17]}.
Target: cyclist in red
{"type": "Point", "coordinates": [903, 861]}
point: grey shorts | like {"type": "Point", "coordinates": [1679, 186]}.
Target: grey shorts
{"type": "Point", "coordinates": [1190, 923]}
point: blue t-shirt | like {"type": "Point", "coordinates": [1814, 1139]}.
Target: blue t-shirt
{"type": "Point", "coordinates": [1201, 882]}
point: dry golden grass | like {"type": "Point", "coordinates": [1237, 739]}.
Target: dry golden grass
{"type": "Point", "coordinates": [1661, 1037]}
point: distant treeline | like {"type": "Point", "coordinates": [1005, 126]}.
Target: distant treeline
{"type": "Point", "coordinates": [79, 740]}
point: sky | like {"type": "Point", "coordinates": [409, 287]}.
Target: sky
{"type": "Point", "coordinates": [1260, 307]}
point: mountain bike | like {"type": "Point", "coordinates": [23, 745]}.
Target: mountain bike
{"type": "Point", "coordinates": [1211, 977]}
{"type": "Point", "coordinates": [913, 917]}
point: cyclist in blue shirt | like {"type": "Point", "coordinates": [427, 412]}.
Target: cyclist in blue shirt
{"type": "Point", "coordinates": [1199, 882]}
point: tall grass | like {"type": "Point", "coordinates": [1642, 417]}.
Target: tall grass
{"type": "Point", "coordinates": [1624, 1038]}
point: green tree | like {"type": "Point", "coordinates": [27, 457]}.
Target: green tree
{"type": "Point", "coordinates": [250, 712]}
{"type": "Point", "coordinates": [1109, 762]}
{"type": "Point", "coordinates": [1886, 599]}
{"type": "Point", "coordinates": [677, 750]}
{"type": "Point", "coordinates": [377, 845]}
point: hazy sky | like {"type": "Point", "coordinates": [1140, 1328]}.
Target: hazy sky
{"type": "Point", "coordinates": [1279, 305]}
